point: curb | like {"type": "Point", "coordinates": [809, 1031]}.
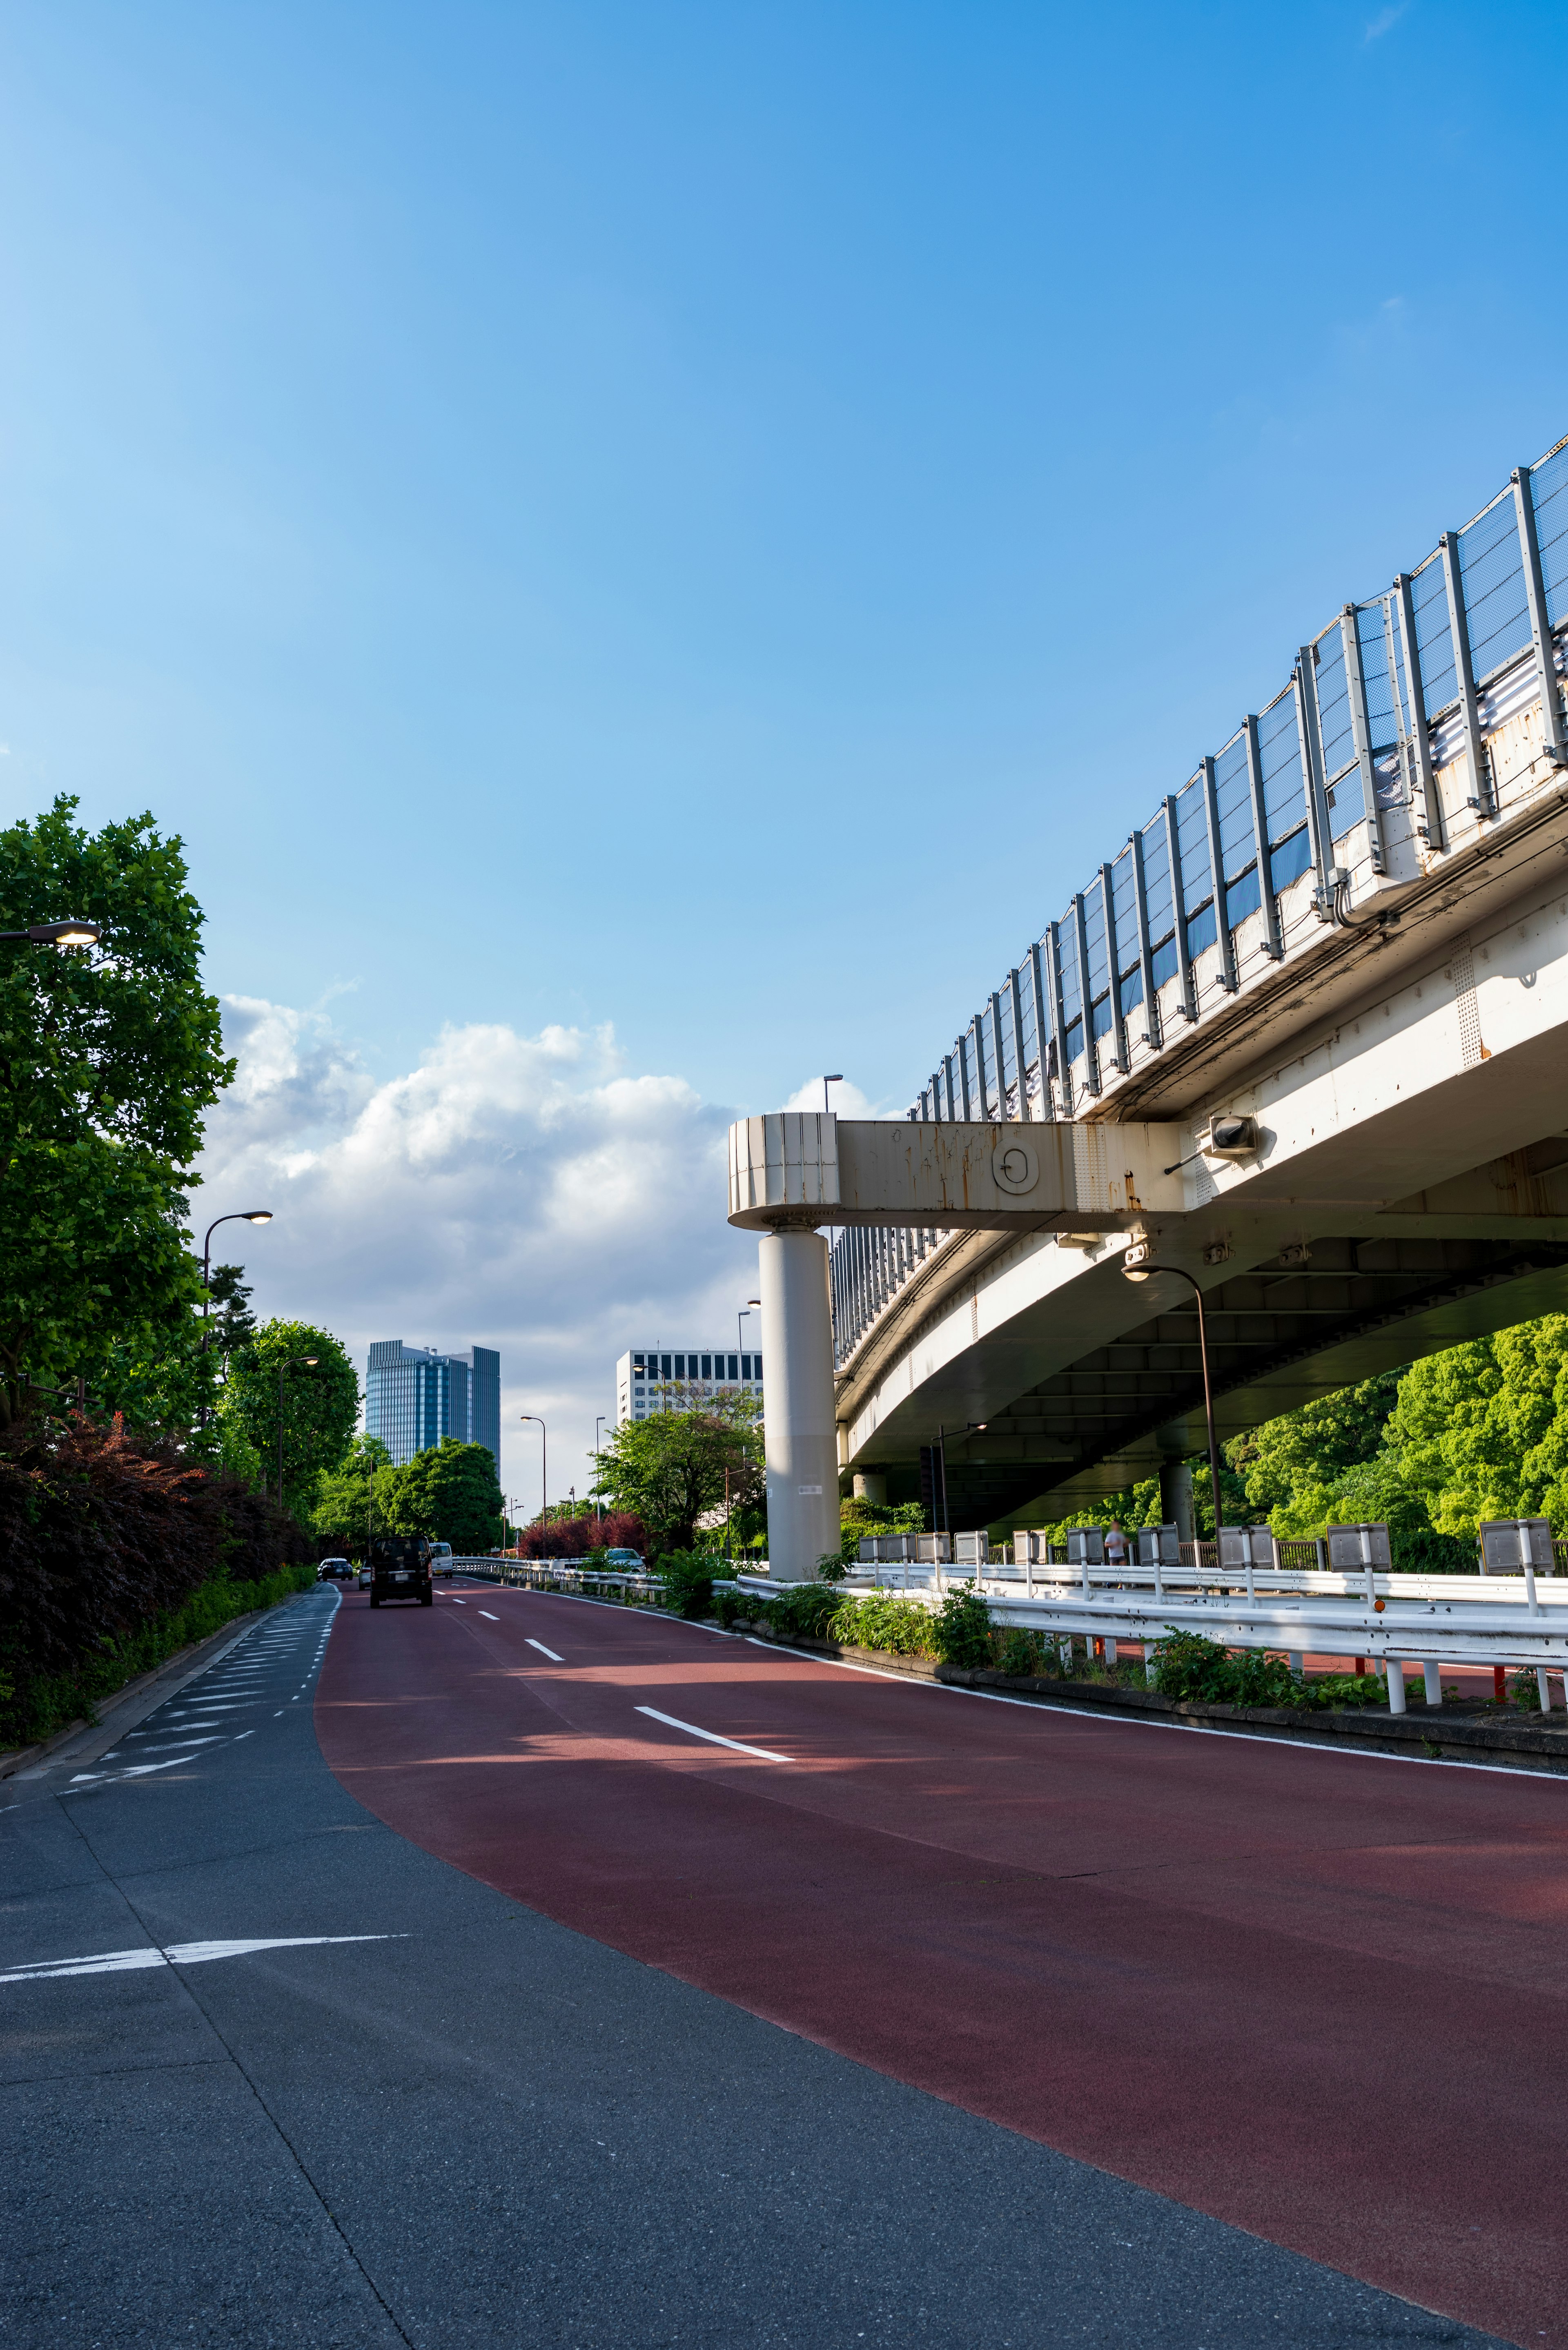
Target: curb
{"type": "Point", "coordinates": [1424, 1734]}
{"type": "Point", "coordinates": [155, 1685]}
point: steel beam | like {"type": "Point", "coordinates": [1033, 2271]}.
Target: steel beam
{"type": "Point", "coordinates": [1361, 733]}
{"type": "Point", "coordinates": [1273, 943]}
{"type": "Point", "coordinates": [1311, 732]}
{"type": "Point", "coordinates": [1418, 733]}
{"type": "Point", "coordinates": [1556, 742]}
{"type": "Point", "coordinates": [1081, 949]}
{"type": "Point", "coordinates": [1179, 904]}
{"type": "Point", "coordinates": [1217, 875]}
{"type": "Point", "coordinates": [1019, 1060]}
{"type": "Point", "coordinates": [1113, 970]}
{"type": "Point", "coordinates": [1480, 793]}
{"type": "Point", "coordinates": [1152, 1037]}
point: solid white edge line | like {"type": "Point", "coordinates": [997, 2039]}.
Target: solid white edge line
{"type": "Point", "coordinates": [762, 1753]}
{"type": "Point", "coordinates": [1142, 1722]}
{"type": "Point", "coordinates": [543, 1651]}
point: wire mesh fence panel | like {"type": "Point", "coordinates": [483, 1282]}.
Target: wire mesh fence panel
{"type": "Point", "coordinates": [1434, 638]}
{"type": "Point", "coordinates": [1334, 705]}
{"type": "Point", "coordinates": [1156, 882]}
{"type": "Point", "coordinates": [1234, 799]}
{"type": "Point", "coordinates": [1372, 635]}
{"type": "Point", "coordinates": [1193, 847]}
{"type": "Point", "coordinates": [1547, 483]}
{"type": "Point", "coordinates": [1280, 758]}
{"type": "Point", "coordinates": [1124, 910]}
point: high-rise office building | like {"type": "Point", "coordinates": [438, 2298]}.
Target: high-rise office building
{"type": "Point", "coordinates": [642, 1381]}
{"type": "Point", "coordinates": [414, 1397]}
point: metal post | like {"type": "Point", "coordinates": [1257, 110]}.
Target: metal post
{"type": "Point", "coordinates": [964, 1082]}
{"type": "Point", "coordinates": [1540, 626]}
{"type": "Point", "coordinates": [1059, 1016]}
{"type": "Point", "coordinates": [1179, 906]}
{"type": "Point", "coordinates": [1085, 1009]}
{"type": "Point", "coordinates": [1113, 968]}
{"type": "Point", "coordinates": [1217, 875]}
{"type": "Point", "coordinates": [977, 1030]}
{"type": "Point", "coordinates": [1152, 1037]}
{"type": "Point", "coordinates": [1481, 797]}
{"type": "Point", "coordinates": [1311, 732]}
{"type": "Point", "coordinates": [1273, 942]}
{"type": "Point", "coordinates": [1044, 1032]}
{"type": "Point", "coordinates": [1360, 733]}
{"type": "Point", "coordinates": [1001, 1064]}
{"type": "Point", "coordinates": [1417, 733]}
{"type": "Point", "coordinates": [1020, 1056]}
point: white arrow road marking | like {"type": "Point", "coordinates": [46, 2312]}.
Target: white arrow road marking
{"type": "Point", "coordinates": [177, 1954]}
{"type": "Point", "coordinates": [488, 1617]}
{"type": "Point", "coordinates": [763, 1753]}
{"type": "Point", "coordinates": [543, 1651]}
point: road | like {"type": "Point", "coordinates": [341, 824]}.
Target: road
{"type": "Point", "coordinates": [966, 2025]}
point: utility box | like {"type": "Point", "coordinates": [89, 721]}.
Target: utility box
{"type": "Point", "coordinates": [1085, 1545]}
{"type": "Point", "coordinates": [971, 1550]}
{"type": "Point", "coordinates": [1509, 1545]}
{"type": "Point", "coordinates": [1030, 1548]}
{"type": "Point", "coordinates": [1353, 1547]}
{"type": "Point", "coordinates": [933, 1550]}
{"type": "Point", "coordinates": [1159, 1546]}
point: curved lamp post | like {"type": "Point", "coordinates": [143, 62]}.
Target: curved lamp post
{"type": "Point", "coordinates": [1144, 1269]}
{"type": "Point", "coordinates": [544, 1477]}
{"type": "Point", "coordinates": [241, 1216]}
{"type": "Point", "coordinates": [286, 1364]}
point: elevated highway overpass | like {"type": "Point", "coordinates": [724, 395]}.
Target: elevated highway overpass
{"type": "Point", "coordinates": [1348, 933]}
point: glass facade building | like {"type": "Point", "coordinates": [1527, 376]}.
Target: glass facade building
{"type": "Point", "coordinates": [644, 1381]}
{"type": "Point", "coordinates": [414, 1397]}
{"type": "Point", "coordinates": [1374, 750]}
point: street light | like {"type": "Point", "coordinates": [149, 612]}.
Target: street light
{"type": "Point", "coordinates": [1138, 1265]}
{"type": "Point", "coordinates": [64, 935]}
{"type": "Point", "coordinates": [241, 1216]}
{"type": "Point", "coordinates": [752, 1306]}
{"type": "Point", "coordinates": [544, 1476]}
{"type": "Point", "coordinates": [287, 1364]}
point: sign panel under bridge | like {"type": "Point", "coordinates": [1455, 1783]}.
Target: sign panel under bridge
{"type": "Point", "coordinates": [807, 1167]}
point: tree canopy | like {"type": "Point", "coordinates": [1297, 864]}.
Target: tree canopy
{"type": "Point", "coordinates": [108, 1059]}
{"type": "Point", "coordinates": [670, 1468]}
{"type": "Point", "coordinates": [321, 1404]}
{"type": "Point", "coordinates": [449, 1493]}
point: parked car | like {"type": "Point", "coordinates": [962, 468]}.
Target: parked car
{"type": "Point", "coordinates": [627, 1558]}
{"type": "Point", "coordinates": [440, 1559]}
{"type": "Point", "coordinates": [334, 1570]}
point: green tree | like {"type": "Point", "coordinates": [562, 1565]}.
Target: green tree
{"type": "Point", "coordinates": [1481, 1429]}
{"type": "Point", "coordinates": [321, 1404]}
{"type": "Point", "coordinates": [450, 1493]}
{"type": "Point", "coordinates": [1306, 1449]}
{"type": "Point", "coordinates": [350, 1498]}
{"type": "Point", "coordinates": [108, 1059]}
{"type": "Point", "coordinates": [671, 1468]}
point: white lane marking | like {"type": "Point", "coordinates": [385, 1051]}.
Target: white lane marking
{"type": "Point", "coordinates": [245, 1733]}
{"type": "Point", "coordinates": [177, 1954]}
{"type": "Point", "coordinates": [462, 1603]}
{"type": "Point", "coordinates": [543, 1651]}
{"type": "Point", "coordinates": [278, 1715]}
{"type": "Point", "coordinates": [764, 1754]}
{"type": "Point", "coordinates": [488, 1617]}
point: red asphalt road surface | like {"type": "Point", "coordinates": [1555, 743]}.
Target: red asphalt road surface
{"type": "Point", "coordinates": [1320, 1996]}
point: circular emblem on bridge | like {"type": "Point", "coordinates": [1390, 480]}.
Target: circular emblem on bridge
{"type": "Point", "coordinates": [1015, 1167]}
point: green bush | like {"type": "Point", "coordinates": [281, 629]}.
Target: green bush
{"type": "Point", "coordinates": [963, 1628]}
{"type": "Point", "coordinates": [1190, 1668]}
{"type": "Point", "coordinates": [900, 1628]}
{"type": "Point", "coordinates": [688, 1578]}
{"type": "Point", "coordinates": [1024, 1654]}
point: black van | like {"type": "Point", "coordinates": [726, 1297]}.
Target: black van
{"type": "Point", "coordinates": [400, 1569]}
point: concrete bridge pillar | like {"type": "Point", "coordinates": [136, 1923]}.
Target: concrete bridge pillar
{"type": "Point", "coordinates": [801, 1435]}
{"type": "Point", "coordinates": [1176, 1498]}
{"type": "Point", "coordinates": [870, 1485]}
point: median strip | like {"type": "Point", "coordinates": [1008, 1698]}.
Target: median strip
{"type": "Point", "coordinates": [762, 1753]}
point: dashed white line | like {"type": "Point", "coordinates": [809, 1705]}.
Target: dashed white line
{"type": "Point", "coordinates": [543, 1651]}
{"type": "Point", "coordinates": [763, 1753]}
{"type": "Point", "coordinates": [488, 1617]}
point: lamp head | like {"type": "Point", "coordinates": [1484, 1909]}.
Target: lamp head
{"type": "Point", "coordinates": [1138, 1264]}
{"type": "Point", "coordinates": [256, 1216]}
{"type": "Point", "coordinates": [311, 1361]}
{"type": "Point", "coordinates": [64, 935]}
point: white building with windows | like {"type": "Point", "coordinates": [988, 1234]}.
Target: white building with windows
{"type": "Point", "coordinates": [644, 1381]}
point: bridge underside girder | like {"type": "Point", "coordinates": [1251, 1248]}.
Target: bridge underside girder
{"type": "Point", "coordinates": [1279, 1335]}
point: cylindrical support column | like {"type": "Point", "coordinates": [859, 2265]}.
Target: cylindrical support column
{"type": "Point", "coordinates": [802, 1441]}
{"type": "Point", "coordinates": [1176, 1498]}
{"type": "Point", "coordinates": [870, 1485]}
{"type": "Point", "coordinates": [1434, 1683]}
{"type": "Point", "coordinates": [1297, 1657]}
{"type": "Point", "coordinates": [1395, 1669]}
{"type": "Point", "coordinates": [1149, 1665]}
{"type": "Point", "coordinates": [1542, 1684]}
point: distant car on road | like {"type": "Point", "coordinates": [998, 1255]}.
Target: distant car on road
{"type": "Point", "coordinates": [334, 1570]}
{"type": "Point", "coordinates": [440, 1559]}
{"type": "Point", "coordinates": [400, 1569]}
{"type": "Point", "coordinates": [364, 1576]}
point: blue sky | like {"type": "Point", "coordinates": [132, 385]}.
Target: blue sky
{"type": "Point", "coordinates": [710, 521]}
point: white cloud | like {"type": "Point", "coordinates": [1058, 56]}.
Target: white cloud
{"type": "Point", "coordinates": [1386, 20]}
{"type": "Point", "coordinates": [524, 1192]}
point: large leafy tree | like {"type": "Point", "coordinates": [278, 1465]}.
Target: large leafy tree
{"type": "Point", "coordinates": [321, 1404]}
{"type": "Point", "coordinates": [1481, 1429]}
{"type": "Point", "coordinates": [1286, 1463]}
{"type": "Point", "coordinates": [671, 1468]}
{"type": "Point", "coordinates": [450, 1493]}
{"type": "Point", "coordinates": [108, 1059]}
{"type": "Point", "coordinates": [351, 1499]}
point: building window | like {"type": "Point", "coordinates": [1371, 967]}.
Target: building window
{"type": "Point", "coordinates": [707, 1366]}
